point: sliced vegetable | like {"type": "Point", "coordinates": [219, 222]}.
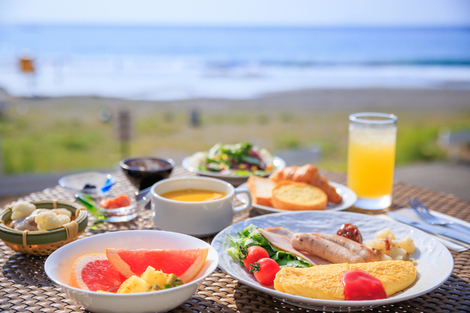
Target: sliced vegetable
{"type": "Point", "coordinates": [240, 159]}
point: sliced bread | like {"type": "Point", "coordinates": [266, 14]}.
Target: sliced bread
{"type": "Point", "coordinates": [261, 190]}
{"type": "Point", "coordinates": [298, 196]}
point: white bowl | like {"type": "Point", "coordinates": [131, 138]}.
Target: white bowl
{"type": "Point", "coordinates": [59, 264]}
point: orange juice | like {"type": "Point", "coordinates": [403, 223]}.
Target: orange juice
{"type": "Point", "coordinates": [371, 161]}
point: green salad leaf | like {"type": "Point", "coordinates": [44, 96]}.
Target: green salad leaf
{"type": "Point", "coordinates": [250, 236]}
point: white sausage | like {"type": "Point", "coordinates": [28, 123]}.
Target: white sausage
{"type": "Point", "coordinates": [325, 249]}
{"type": "Point", "coordinates": [365, 252]}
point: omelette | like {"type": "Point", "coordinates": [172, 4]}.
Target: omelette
{"type": "Point", "coordinates": [324, 281]}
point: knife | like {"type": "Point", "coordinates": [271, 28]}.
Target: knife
{"type": "Point", "coordinates": [430, 228]}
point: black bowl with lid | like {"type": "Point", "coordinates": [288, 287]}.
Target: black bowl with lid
{"type": "Point", "coordinates": [143, 172]}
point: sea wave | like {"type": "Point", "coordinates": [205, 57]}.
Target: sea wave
{"type": "Point", "coordinates": [182, 78]}
{"type": "Point", "coordinates": [158, 63]}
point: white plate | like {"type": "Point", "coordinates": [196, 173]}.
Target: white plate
{"type": "Point", "coordinates": [232, 179]}
{"type": "Point", "coordinates": [74, 183]}
{"type": "Point", "coordinates": [434, 261]}
{"type": "Point", "coordinates": [349, 198]}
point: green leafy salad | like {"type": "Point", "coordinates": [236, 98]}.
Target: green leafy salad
{"type": "Point", "coordinates": [241, 159]}
{"type": "Point", "coordinates": [250, 236]}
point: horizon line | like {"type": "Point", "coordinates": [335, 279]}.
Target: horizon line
{"type": "Point", "coordinates": [271, 26]}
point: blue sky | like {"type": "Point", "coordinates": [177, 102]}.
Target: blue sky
{"type": "Point", "coordinates": [239, 12]}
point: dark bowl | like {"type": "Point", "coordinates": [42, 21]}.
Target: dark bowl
{"type": "Point", "coordinates": [146, 171]}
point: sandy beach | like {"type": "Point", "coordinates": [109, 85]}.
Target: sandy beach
{"type": "Point", "coordinates": [323, 100]}
{"type": "Point", "coordinates": [277, 121]}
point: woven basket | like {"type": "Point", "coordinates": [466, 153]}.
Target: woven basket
{"type": "Point", "coordinates": [44, 242]}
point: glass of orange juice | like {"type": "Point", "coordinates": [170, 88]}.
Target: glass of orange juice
{"type": "Point", "coordinates": [371, 158]}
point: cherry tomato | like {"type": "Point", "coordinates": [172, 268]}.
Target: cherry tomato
{"type": "Point", "coordinates": [253, 255]}
{"type": "Point", "coordinates": [265, 271]}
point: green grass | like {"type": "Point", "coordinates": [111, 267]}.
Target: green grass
{"type": "Point", "coordinates": [41, 143]}
{"type": "Point", "coordinates": [66, 134]}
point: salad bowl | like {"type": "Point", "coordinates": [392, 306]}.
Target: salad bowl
{"type": "Point", "coordinates": [233, 163]}
{"type": "Point", "coordinates": [235, 180]}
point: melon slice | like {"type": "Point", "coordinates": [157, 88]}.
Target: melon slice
{"type": "Point", "coordinates": [185, 264]}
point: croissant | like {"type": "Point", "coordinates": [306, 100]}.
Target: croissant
{"type": "Point", "coordinates": [307, 174]}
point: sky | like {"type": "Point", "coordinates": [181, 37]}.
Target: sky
{"type": "Point", "coordinates": [239, 12]}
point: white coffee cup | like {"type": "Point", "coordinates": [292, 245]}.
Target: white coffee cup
{"type": "Point", "coordinates": [195, 218]}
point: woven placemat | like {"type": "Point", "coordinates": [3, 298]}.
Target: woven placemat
{"type": "Point", "coordinates": [24, 286]}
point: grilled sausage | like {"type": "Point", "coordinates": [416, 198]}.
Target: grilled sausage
{"type": "Point", "coordinates": [325, 249]}
{"type": "Point", "coordinates": [365, 252]}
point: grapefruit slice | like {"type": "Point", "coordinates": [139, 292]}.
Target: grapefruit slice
{"type": "Point", "coordinates": [94, 272]}
{"type": "Point", "coordinates": [185, 264]}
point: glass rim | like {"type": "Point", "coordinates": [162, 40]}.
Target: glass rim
{"type": "Point", "coordinates": [359, 118]}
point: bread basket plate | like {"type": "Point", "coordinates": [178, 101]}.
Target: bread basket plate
{"type": "Point", "coordinates": [434, 261]}
{"type": "Point", "coordinates": [349, 198]}
{"type": "Point", "coordinates": [235, 180]}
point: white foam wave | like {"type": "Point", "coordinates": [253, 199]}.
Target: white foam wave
{"type": "Point", "coordinates": [170, 78]}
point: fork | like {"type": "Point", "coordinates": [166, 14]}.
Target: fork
{"type": "Point", "coordinates": [426, 216]}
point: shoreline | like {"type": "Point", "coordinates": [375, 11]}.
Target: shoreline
{"type": "Point", "coordinates": [323, 99]}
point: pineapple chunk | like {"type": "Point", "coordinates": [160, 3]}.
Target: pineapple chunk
{"type": "Point", "coordinates": [134, 284]}
{"type": "Point", "coordinates": [159, 280]}
{"type": "Point", "coordinates": [172, 281]}
{"type": "Point", "coordinates": [152, 276]}
{"type": "Point", "coordinates": [386, 232]}
{"type": "Point", "coordinates": [407, 244]}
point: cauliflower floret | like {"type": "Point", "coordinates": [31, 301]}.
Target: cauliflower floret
{"type": "Point", "coordinates": [63, 219]}
{"type": "Point", "coordinates": [62, 211]}
{"type": "Point", "coordinates": [27, 222]}
{"type": "Point", "coordinates": [48, 220]}
{"type": "Point", "coordinates": [21, 209]}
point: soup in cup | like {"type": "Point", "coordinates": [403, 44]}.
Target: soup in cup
{"type": "Point", "coordinates": [198, 206]}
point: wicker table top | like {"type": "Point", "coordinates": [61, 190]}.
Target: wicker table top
{"type": "Point", "coordinates": [24, 286]}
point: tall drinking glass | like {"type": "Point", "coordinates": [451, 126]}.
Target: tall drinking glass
{"type": "Point", "coordinates": [371, 158]}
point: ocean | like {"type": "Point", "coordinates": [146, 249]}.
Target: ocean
{"type": "Point", "coordinates": [168, 63]}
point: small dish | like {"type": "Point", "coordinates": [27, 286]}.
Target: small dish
{"type": "Point", "coordinates": [146, 171]}
{"type": "Point", "coordinates": [59, 264]}
{"type": "Point", "coordinates": [114, 215]}
{"type": "Point", "coordinates": [44, 242]}
{"type": "Point", "coordinates": [90, 183]}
